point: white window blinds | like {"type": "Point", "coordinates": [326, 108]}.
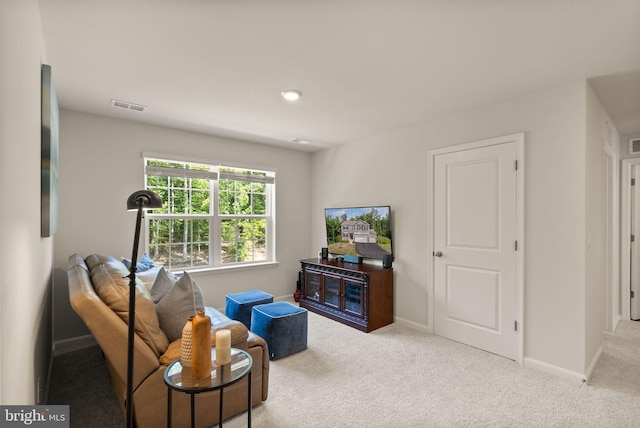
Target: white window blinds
{"type": "Point", "coordinates": [167, 168]}
{"type": "Point", "coordinates": [249, 178]}
{"type": "Point", "coordinates": [181, 172]}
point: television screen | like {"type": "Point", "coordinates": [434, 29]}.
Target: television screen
{"type": "Point", "coordinates": [359, 231]}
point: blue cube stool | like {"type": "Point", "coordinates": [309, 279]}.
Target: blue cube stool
{"type": "Point", "coordinates": [283, 326]}
{"type": "Point", "coordinates": [238, 306]}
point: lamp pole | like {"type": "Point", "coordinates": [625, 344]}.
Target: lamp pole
{"type": "Point", "coordinates": [140, 200]}
{"type": "Point", "coordinates": [132, 317]}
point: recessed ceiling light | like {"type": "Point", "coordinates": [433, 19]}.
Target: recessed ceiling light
{"type": "Point", "coordinates": [291, 94]}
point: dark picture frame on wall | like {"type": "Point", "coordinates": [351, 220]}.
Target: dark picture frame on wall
{"type": "Point", "coordinates": [49, 155]}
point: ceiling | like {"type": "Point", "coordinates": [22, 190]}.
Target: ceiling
{"type": "Point", "coordinates": [365, 67]}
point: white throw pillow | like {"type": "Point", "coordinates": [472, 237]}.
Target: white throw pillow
{"type": "Point", "coordinates": [149, 276]}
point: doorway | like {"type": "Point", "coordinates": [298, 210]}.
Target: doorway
{"type": "Point", "coordinates": [477, 245]}
{"type": "Point", "coordinates": [629, 238]}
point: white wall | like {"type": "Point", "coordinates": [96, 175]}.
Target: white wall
{"type": "Point", "coordinates": [101, 165]}
{"type": "Point", "coordinates": [393, 169]}
{"type": "Point", "coordinates": [25, 337]}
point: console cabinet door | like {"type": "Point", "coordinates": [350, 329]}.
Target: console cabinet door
{"type": "Point", "coordinates": [331, 286]}
{"type": "Point", "coordinates": [354, 297]}
{"type": "Point", "coordinates": [312, 285]}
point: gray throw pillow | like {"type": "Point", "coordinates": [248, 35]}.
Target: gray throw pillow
{"type": "Point", "coordinates": [162, 284]}
{"type": "Point", "coordinates": [183, 300]}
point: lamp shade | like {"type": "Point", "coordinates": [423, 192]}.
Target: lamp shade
{"type": "Point", "coordinates": [144, 199]}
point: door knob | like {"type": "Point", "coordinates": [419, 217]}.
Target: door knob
{"type": "Point", "coordinates": [438, 253]}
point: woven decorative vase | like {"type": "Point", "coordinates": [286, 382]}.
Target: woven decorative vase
{"type": "Point", "coordinates": [186, 344]}
{"type": "Point", "coordinates": [186, 377]}
{"type": "Point", "coordinates": [201, 346]}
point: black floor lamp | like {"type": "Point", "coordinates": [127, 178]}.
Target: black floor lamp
{"type": "Point", "coordinates": [140, 200]}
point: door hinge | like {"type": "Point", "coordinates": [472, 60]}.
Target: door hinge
{"type": "Point", "coordinates": [515, 325]}
{"type": "Point", "coordinates": [633, 181]}
{"type": "Point", "coordinates": [516, 165]}
{"type": "Point", "coordinates": [515, 246]}
{"type": "Point", "coordinates": [632, 294]}
{"type": "Point", "coordinates": [633, 238]}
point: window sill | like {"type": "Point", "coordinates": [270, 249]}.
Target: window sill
{"type": "Point", "coordinates": [227, 269]}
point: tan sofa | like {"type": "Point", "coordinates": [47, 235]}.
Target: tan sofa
{"type": "Point", "coordinates": [153, 352]}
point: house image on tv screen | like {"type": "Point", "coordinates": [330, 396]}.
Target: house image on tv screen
{"type": "Point", "coordinates": [358, 231]}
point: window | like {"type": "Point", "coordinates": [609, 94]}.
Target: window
{"type": "Point", "coordinates": [212, 216]}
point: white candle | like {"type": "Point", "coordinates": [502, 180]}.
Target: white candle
{"type": "Point", "coordinates": [223, 347]}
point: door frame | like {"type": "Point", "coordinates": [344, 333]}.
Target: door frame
{"type": "Point", "coordinates": [519, 140]}
{"type": "Point", "coordinates": [611, 236]}
{"type": "Point", "coordinates": [625, 237]}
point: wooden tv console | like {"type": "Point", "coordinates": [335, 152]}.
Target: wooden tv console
{"type": "Point", "coordinates": [358, 295]}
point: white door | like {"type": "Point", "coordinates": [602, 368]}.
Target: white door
{"type": "Point", "coordinates": [635, 245]}
{"type": "Point", "coordinates": [475, 262]}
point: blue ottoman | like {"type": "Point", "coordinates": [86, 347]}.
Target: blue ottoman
{"type": "Point", "coordinates": [238, 306]}
{"type": "Point", "coordinates": [283, 326]}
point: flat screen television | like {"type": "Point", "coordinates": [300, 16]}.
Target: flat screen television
{"type": "Point", "coordinates": [359, 231]}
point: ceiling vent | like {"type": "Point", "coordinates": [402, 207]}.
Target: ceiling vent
{"type": "Point", "coordinates": [128, 106]}
{"type": "Point", "coordinates": [634, 146]}
{"type": "Point", "coordinates": [299, 141]}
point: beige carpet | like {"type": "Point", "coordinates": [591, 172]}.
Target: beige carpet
{"type": "Point", "coordinates": [619, 366]}
{"type": "Point", "coordinates": [399, 377]}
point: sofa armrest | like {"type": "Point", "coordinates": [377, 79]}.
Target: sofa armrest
{"type": "Point", "coordinates": [255, 341]}
{"type": "Point", "coordinates": [219, 321]}
{"type": "Point", "coordinates": [239, 333]}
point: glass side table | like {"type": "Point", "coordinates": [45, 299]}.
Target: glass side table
{"type": "Point", "coordinates": [179, 378]}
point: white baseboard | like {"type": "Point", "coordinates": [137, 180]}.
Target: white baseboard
{"type": "Point", "coordinates": [411, 324]}
{"type": "Point", "coordinates": [287, 297]}
{"type": "Point", "coordinates": [73, 343]}
{"type": "Point", "coordinates": [616, 321]}
{"type": "Point", "coordinates": [594, 363]}
{"type": "Point", "coordinates": [571, 376]}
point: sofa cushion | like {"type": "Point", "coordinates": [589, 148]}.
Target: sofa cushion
{"type": "Point", "coordinates": [181, 300]}
{"type": "Point", "coordinates": [113, 264]}
{"type": "Point", "coordinates": [172, 353]}
{"type": "Point", "coordinates": [113, 289]}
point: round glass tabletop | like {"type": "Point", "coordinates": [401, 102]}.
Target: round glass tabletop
{"type": "Point", "coordinates": [180, 379]}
